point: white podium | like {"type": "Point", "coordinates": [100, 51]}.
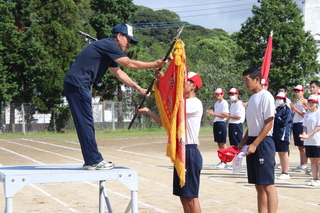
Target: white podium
{"type": "Point", "coordinates": [15, 178]}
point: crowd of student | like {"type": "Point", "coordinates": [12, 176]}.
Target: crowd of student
{"type": "Point", "coordinates": [299, 118]}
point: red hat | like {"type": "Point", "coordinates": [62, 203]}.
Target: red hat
{"type": "Point", "coordinates": [264, 82]}
{"type": "Point", "coordinates": [227, 155]}
{"type": "Point", "coordinates": [299, 87]}
{"type": "Point", "coordinates": [219, 91]}
{"type": "Point", "coordinates": [281, 95]}
{"type": "Point", "coordinates": [313, 98]}
{"type": "Point", "coordinates": [195, 78]}
{"type": "Point", "coordinates": [233, 91]}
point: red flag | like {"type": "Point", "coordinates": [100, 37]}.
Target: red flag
{"type": "Point", "coordinates": [265, 68]}
{"type": "Point", "coordinates": [170, 98]}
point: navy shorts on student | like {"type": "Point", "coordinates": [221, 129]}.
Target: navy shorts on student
{"type": "Point", "coordinates": [235, 133]}
{"type": "Point", "coordinates": [193, 169]}
{"type": "Point", "coordinates": [313, 151]}
{"type": "Point", "coordinates": [220, 131]}
{"type": "Point", "coordinates": [297, 130]}
{"type": "Point", "coordinates": [282, 146]}
{"type": "Point", "coordinates": [260, 165]}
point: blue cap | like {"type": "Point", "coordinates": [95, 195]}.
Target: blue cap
{"type": "Point", "coordinates": [126, 30]}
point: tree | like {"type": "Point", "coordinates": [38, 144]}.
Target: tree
{"type": "Point", "coordinates": [108, 13]}
{"type": "Point", "coordinates": [294, 50]}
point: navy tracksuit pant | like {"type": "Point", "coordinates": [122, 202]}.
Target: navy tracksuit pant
{"type": "Point", "coordinates": [80, 102]}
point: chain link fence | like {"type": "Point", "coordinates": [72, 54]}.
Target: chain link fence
{"type": "Point", "coordinates": [108, 115]}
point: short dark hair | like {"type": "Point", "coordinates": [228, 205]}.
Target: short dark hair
{"type": "Point", "coordinates": [283, 87]}
{"type": "Point", "coordinates": [317, 83]}
{"type": "Point", "coordinates": [253, 72]}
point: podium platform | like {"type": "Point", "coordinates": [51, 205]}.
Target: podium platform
{"type": "Point", "coordinates": [15, 178]}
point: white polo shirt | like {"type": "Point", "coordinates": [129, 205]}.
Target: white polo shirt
{"type": "Point", "coordinates": [311, 121]}
{"type": "Point", "coordinates": [260, 108]}
{"type": "Point", "coordinates": [237, 109]}
{"type": "Point", "coordinates": [220, 107]}
{"type": "Point", "coordinates": [194, 111]}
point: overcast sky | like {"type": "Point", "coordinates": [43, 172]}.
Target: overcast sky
{"type": "Point", "coordinates": [225, 14]}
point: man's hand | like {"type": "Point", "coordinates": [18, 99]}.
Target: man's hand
{"type": "Point", "coordinates": [158, 74]}
{"type": "Point", "coordinates": [143, 110]}
{"type": "Point", "coordinates": [210, 112]}
{"type": "Point", "coordinates": [225, 114]}
{"type": "Point", "coordinates": [160, 63]}
{"type": "Point", "coordinates": [144, 92]}
{"type": "Point", "coordinates": [303, 136]}
{"type": "Point", "coordinates": [251, 149]}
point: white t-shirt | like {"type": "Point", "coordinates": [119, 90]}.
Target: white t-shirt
{"type": "Point", "coordinates": [194, 111]}
{"type": "Point", "coordinates": [311, 121]}
{"type": "Point", "coordinates": [237, 109]}
{"type": "Point", "coordinates": [220, 107]}
{"type": "Point", "coordinates": [260, 108]}
{"type": "Point", "coordinates": [296, 117]}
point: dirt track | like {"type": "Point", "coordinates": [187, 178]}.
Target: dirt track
{"type": "Point", "coordinates": [221, 191]}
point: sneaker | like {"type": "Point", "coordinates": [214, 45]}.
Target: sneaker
{"type": "Point", "coordinates": [283, 176]}
{"type": "Point", "coordinates": [278, 166]}
{"type": "Point", "coordinates": [221, 165]}
{"type": "Point", "coordinates": [314, 183]}
{"type": "Point", "coordinates": [103, 165]}
{"type": "Point", "coordinates": [301, 168]}
{"type": "Point", "coordinates": [308, 172]}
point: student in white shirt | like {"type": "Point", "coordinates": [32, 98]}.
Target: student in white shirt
{"type": "Point", "coordinates": [236, 118]}
{"type": "Point", "coordinates": [311, 137]}
{"type": "Point", "coordinates": [219, 123]}
{"type": "Point", "coordinates": [260, 156]}
{"type": "Point", "coordinates": [189, 193]}
{"type": "Point", "coordinates": [298, 112]}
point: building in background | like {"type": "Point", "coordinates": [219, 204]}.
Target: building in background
{"type": "Point", "coordinates": [311, 12]}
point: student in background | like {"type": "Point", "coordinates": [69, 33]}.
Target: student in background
{"type": "Point", "coordinates": [281, 133]}
{"type": "Point", "coordinates": [299, 112]}
{"type": "Point", "coordinates": [219, 123]}
{"type": "Point", "coordinates": [236, 118]}
{"type": "Point", "coordinates": [311, 137]}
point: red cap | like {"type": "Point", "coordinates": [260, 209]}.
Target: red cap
{"type": "Point", "coordinates": [233, 91]}
{"type": "Point", "coordinates": [264, 82]}
{"type": "Point", "coordinates": [313, 98]}
{"type": "Point", "coordinates": [299, 87]}
{"type": "Point", "coordinates": [227, 155]}
{"type": "Point", "coordinates": [281, 95]}
{"type": "Point", "coordinates": [219, 91]}
{"type": "Point", "coordinates": [195, 78]}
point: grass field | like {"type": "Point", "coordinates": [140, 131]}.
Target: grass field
{"type": "Point", "coordinates": [144, 151]}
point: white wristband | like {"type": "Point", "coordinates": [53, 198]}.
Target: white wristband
{"type": "Point", "coordinates": [138, 87]}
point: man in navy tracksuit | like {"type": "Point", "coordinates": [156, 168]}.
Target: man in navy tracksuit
{"type": "Point", "coordinates": [90, 66]}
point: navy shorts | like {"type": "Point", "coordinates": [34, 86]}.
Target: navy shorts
{"type": "Point", "coordinates": [235, 133]}
{"type": "Point", "coordinates": [260, 165]}
{"type": "Point", "coordinates": [193, 170]}
{"type": "Point", "coordinates": [281, 146]}
{"type": "Point", "coordinates": [313, 151]}
{"type": "Point", "coordinates": [220, 131]}
{"type": "Point", "coordinates": [297, 130]}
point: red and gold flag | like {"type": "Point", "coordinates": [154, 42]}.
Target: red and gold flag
{"type": "Point", "coordinates": [265, 68]}
{"type": "Point", "coordinates": [170, 99]}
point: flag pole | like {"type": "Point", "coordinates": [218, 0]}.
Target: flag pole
{"type": "Point", "coordinates": [151, 84]}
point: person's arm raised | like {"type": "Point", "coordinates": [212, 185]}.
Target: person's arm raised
{"type": "Point", "coordinates": [140, 65]}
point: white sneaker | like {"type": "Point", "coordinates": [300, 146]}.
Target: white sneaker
{"type": "Point", "coordinates": [278, 166]}
{"type": "Point", "coordinates": [314, 183]}
{"type": "Point", "coordinates": [283, 177]}
{"type": "Point", "coordinates": [103, 165]}
{"type": "Point", "coordinates": [221, 165]}
{"type": "Point", "coordinates": [308, 172]}
{"type": "Point", "coordinates": [301, 168]}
